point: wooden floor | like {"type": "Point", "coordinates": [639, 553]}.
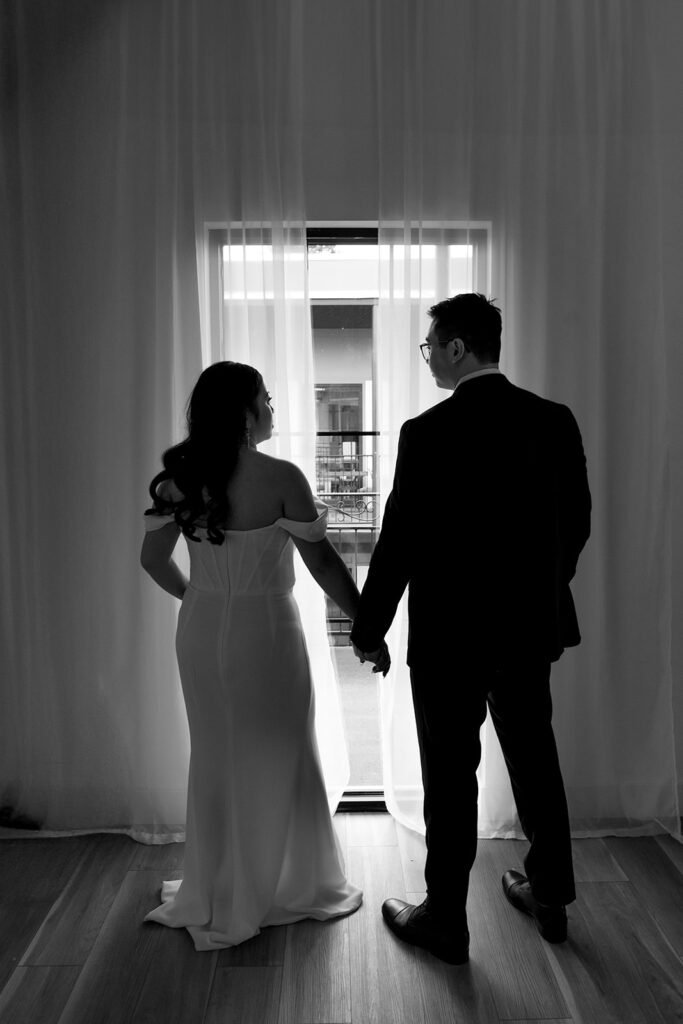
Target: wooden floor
{"type": "Point", "coordinates": [74, 949]}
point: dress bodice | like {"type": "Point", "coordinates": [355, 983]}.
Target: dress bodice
{"type": "Point", "coordinates": [249, 562]}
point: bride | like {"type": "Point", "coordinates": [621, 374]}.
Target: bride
{"type": "Point", "coordinates": [260, 847]}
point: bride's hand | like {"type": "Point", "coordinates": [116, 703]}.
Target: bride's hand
{"type": "Point", "coordinates": [383, 662]}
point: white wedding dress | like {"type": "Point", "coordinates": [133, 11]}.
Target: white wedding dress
{"type": "Point", "coordinates": [260, 846]}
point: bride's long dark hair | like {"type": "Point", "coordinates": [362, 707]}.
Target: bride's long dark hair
{"type": "Point", "coordinates": [216, 427]}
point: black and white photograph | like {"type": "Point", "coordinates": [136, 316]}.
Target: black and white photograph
{"type": "Point", "coordinates": [341, 462]}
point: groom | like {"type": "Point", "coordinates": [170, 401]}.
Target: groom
{"type": "Point", "coordinates": [487, 516]}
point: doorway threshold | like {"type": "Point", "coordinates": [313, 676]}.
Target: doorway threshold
{"type": "Point", "coordinates": [357, 799]}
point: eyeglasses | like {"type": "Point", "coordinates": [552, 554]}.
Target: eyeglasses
{"type": "Point", "coordinates": [426, 346]}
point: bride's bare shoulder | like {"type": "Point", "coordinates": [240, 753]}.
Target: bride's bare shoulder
{"type": "Point", "coordinates": [267, 462]}
{"type": "Point", "coordinates": [297, 496]}
{"type": "Point", "coordinates": [284, 470]}
{"type": "Point", "coordinates": [274, 467]}
{"type": "Point", "coordinates": [288, 483]}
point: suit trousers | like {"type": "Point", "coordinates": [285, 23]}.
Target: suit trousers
{"type": "Point", "coordinates": [450, 703]}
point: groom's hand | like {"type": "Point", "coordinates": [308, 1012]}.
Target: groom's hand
{"type": "Point", "coordinates": [380, 658]}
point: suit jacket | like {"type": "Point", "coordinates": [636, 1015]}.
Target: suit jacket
{"type": "Point", "coordinates": [489, 510]}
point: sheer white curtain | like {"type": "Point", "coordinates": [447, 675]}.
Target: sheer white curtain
{"type": "Point", "coordinates": [419, 264]}
{"type": "Point", "coordinates": [249, 180]}
{"type": "Point", "coordinates": [100, 321]}
{"type": "Point", "coordinates": [266, 322]}
{"type": "Point", "coordinates": [534, 118]}
{"type": "Point", "coordinates": [143, 123]}
{"type": "Point", "coordinates": [126, 132]}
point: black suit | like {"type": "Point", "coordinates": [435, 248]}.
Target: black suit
{"type": "Point", "coordinates": [488, 513]}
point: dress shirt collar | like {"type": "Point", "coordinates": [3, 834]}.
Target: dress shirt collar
{"type": "Point", "coordinates": [477, 373]}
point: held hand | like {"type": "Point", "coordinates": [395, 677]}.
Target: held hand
{"type": "Point", "coordinates": [381, 657]}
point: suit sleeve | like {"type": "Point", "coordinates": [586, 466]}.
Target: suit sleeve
{"type": "Point", "coordinates": [574, 497]}
{"type": "Point", "coordinates": [390, 565]}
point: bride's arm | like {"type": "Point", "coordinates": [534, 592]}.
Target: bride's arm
{"type": "Point", "coordinates": [155, 558]}
{"type": "Point", "coordinates": [322, 561]}
{"type": "Point", "coordinates": [329, 571]}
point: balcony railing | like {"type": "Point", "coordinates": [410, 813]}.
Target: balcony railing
{"type": "Point", "coordinates": [348, 507]}
{"type": "Point", "coordinates": [346, 479]}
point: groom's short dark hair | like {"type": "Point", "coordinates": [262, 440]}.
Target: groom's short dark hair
{"type": "Point", "coordinates": [475, 319]}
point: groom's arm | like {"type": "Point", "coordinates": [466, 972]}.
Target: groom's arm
{"type": "Point", "coordinates": [389, 570]}
{"type": "Point", "coordinates": [574, 499]}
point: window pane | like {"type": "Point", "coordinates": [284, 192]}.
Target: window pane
{"type": "Point", "coordinates": [346, 468]}
{"type": "Point", "coordinates": [419, 271]}
{"type": "Point", "coordinates": [343, 271]}
{"type": "Point", "coordinates": [460, 268]}
{"type": "Point", "coordinates": [450, 259]}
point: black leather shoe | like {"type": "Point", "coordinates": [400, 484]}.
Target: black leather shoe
{"type": "Point", "coordinates": [550, 921]}
{"type": "Point", "coordinates": [419, 927]}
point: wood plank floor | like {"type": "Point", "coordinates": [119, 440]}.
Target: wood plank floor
{"type": "Point", "coordinates": [74, 949]}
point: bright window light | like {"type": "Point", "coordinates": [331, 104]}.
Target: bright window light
{"type": "Point", "coordinates": [343, 271]}
{"type": "Point", "coordinates": [460, 268]}
{"type": "Point", "coordinates": [339, 271]}
{"type": "Point", "coordinates": [248, 272]}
